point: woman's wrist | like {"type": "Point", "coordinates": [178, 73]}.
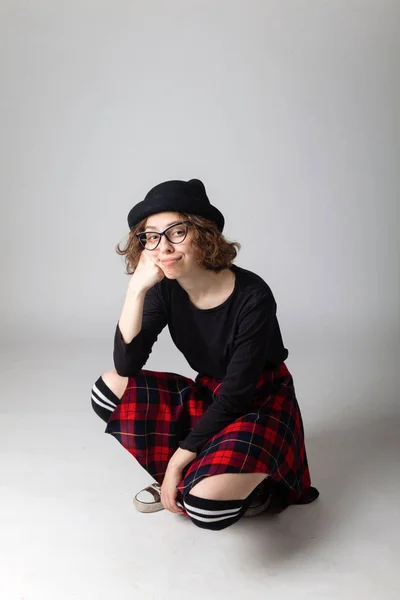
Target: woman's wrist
{"type": "Point", "coordinates": [181, 458]}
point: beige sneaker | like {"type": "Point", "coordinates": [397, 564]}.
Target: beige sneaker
{"type": "Point", "coordinates": [153, 506]}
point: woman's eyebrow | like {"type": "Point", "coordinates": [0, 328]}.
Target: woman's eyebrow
{"type": "Point", "coordinates": [168, 224]}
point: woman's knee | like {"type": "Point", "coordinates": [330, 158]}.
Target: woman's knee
{"type": "Point", "coordinates": [107, 392]}
{"type": "Point", "coordinates": [115, 382]}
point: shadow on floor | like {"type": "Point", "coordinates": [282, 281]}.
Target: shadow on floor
{"type": "Point", "coordinates": [351, 463]}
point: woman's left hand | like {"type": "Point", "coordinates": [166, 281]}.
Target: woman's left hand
{"type": "Point", "coordinates": [169, 491]}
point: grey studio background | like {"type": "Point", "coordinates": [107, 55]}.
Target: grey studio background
{"type": "Point", "coordinates": [288, 111]}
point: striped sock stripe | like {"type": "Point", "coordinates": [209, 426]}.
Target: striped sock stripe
{"type": "Point", "coordinates": [98, 396]}
{"type": "Point", "coordinates": [104, 401]}
{"type": "Point", "coordinates": [97, 401]}
{"type": "Point", "coordinates": [209, 519]}
{"type": "Point", "coordinates": [212, 514]}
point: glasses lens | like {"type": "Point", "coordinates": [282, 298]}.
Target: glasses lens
{"type": "Point", "coordinates": [149, 240]}
{"type": "Point", "coordinates": [177, 233]}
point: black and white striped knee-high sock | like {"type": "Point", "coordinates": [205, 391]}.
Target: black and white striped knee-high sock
{"type": "Point", "coordinates": [213, 514]}
{"type": "Point", "coordinates": [104, 401]}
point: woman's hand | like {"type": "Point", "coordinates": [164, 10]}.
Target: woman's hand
{"type": "Point", "coordinates": [146, 274]}
{"type": "Point", "coordinates": [169, 490]}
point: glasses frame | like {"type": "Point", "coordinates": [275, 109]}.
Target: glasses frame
{"type": "Point", "coordinates": [161, 233]}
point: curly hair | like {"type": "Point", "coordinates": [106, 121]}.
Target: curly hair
{"type": "Point", "coordinates": [214, 251]}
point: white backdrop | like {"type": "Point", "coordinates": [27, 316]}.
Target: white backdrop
{"type": "Point", "coordinates": [287, 110]}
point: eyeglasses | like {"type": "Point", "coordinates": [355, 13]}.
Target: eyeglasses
{"type": "Point", "coordinates": [176, 235]}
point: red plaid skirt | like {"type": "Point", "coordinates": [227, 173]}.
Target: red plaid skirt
{"type": "Point", "coordinates": [159, 409]}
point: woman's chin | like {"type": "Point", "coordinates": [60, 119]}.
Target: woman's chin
{"type": "Point", "coordinates": [169, 273]}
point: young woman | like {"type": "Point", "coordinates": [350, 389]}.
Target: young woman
{"type": "Point", "coordinates": [220, 446]}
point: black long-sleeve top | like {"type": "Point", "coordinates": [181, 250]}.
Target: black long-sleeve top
{"type": "Point", "coordinates": [233, 342]}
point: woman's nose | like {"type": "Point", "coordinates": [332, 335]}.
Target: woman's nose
{"type": "Point", "coordinates": [165, 241]}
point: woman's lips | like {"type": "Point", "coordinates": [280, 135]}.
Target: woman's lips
{"type": "Point", "coordinates": [170, 262]}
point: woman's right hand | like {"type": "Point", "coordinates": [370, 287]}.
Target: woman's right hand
{"type": "Point", "coordinates": [146, 274]}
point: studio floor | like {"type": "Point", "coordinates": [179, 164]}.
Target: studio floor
{"type": "Point", "coordinates": [69, 529]}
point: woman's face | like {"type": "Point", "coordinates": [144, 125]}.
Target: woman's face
{"type": "Point", "coordinates": [175, 260]}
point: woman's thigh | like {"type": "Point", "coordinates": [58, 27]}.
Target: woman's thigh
{"type": "Point", "coordinates": [227, 486]}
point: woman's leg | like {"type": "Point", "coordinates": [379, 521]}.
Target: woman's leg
{"type": "Point", "coordinates": [107, 392]}
{"type": "Point", "coordinates": [218, 501]}
{"type": "Point", "coordinates": [115, 382]}
{"type": "Point", "coordinates": [227, 486]}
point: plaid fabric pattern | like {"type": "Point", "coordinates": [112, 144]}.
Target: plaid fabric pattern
{"type": "Point", "coordinates": [159, 409]}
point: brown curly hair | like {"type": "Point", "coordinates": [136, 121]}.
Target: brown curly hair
{"type": "Point", "coordinates": [215, 252]}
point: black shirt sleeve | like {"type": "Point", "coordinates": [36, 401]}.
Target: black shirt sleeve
{"type": "Point", "coordinates": [254, 331]}
{"type": "Point", "coordinates": [130, 358]}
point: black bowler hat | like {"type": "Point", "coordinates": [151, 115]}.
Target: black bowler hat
{"type": "Point", "coordinates": [176, 196]}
